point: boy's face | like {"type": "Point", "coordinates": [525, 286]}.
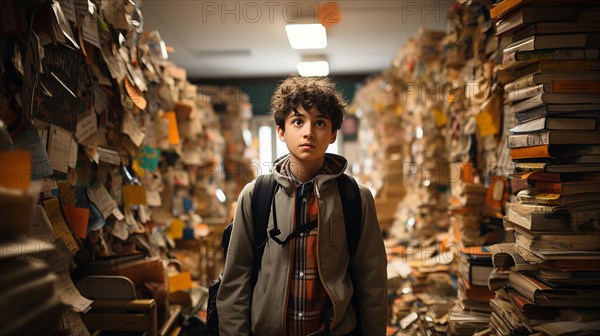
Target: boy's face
{"type": "Point", "coordinates": [307, 134]}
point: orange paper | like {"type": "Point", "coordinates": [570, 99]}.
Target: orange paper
{"type": "Point", "coordinates": [135, 94]}
{"type": "Point", "coordinates": [134, 195]}
{"type": "Point", "coordinates": [180, 281]}
{"type": "Point", "coordinates": [15, 169]}
{"type": "Point", "coordinates": [77, 219]}
{"type": "Point", "coordinates": [173, 130]}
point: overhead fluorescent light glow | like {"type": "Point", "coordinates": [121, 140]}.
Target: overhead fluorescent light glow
{"type": "Point", "coordinates": [306, 36]}
{"type": "Point", "coordinates": [313, 69]}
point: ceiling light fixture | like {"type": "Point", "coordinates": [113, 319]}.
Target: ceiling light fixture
{"type": "Point", "coordinates": [306, 36]}
{"type": "Point", "coordinates": [313, 66]}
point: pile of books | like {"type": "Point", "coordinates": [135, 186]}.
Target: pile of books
{"type": "Point", "coordinates": [551, 76]}
{"type": "Point", "coordinates": [472, 310]}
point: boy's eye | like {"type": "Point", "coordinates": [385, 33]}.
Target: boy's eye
{"type": "Point", "coordinates": [297, 122]}
{"type": "Point", "coordinates": [320, 123]}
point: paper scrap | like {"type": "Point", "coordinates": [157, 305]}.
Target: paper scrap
{"type": "Point", "coordinates": [73, 322]}
{"type": "Point", "coordinates": [64, 24]}
{"type": "Point", "coordinates": [59, 145]}
{"type": "Point", "coordinates": [153, 198]}
{"type": "Point", "coordinates": [87, 126]}
{"type": "Point", "coordinates": [135, 94]}
{"type": "Point", "coordinates": [109, 156]}
{"type": "Point", "coordinates": [120, 230]}
{"type": "Point", "coordinates": [68, 9]}
{"type": "Point", "coordinates": [134, 195]}
{"type": "Point", "coordinates": [15, 169]}
{"type": "Point", "coordinates": [102, 199]}
{"type": "Point", "coordinates": [69, 294]}
{"type": "Point", "coordinates": [73, 153]}
{"type": "Point", "coordinates": [61, 230]}
{"type": "Point", "coordinates": [132, 129]}
{"type": "Point", "coordinates": [40, 166]}
{"type": "Point", "coordinates": [89, 26]}
{"type": "Point", "coordinates": [77, 219]}
{"type": "Point", "coordinates": [41, 227]}
{"type": "Point", "coordinates": [173, 130]}
{"type": "Point", "coordinates": [148, 157]}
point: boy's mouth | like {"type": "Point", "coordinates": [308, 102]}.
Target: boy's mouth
{"type": "Point", "coordinates": [307, 145]}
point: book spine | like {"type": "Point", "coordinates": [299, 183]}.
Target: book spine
{"type": "Point", "coordinates": [523, 167]}
{"type": "Point", "coordinates": [530, 152]}
{"type": "Point", "coordinates": [521, 83]}
{"type": "Point", "coordinates": [503, 8]}
{"type": "Point", "coordinates": [548, 187]}
{"type": "Point", "coordinates": [531, 114]}
{"type": "Point", "coordinates": [528, 140]}
{"type": "Point", "coordinates": [575, 86]}
{"type": "Point", "coordinates": [528, 103]}
{"type": "Point", "coordinates": [568, 65]}
{"type": "Point", "coordinates": [525, 93]}
{"type": "Point", "coordinates": [552, 54]}
{"type": "Point", "coordinates": [509, 23]}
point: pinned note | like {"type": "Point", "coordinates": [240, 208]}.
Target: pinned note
{"type": "Point", "coordinates": [148, 157]}
{"type": "Point", "coordinates": [135, 94]}
{"type": "Point", "coordinates": [15, 169]}
{"type": "Point", "coordinates": [30, 140]}
{"type": "Point", "coordinates": [77, 219]}
{"type": "Point", "coordinates": [61, 230]}
{"type": "Point", "coordinates": [134, 195]}
{"type": "Point", "coordinates": [59, 145]}
{"type": "Point", "coordinates": [69, 294]}
{"type": "Point", "coordinates": [131, 127]}
{"type": "Point", "coordinates": [109, 156]}
{"type": "Point", "coordinates": [173, 129]}
{"type": "Point", "coordinates": [102, 199]}
{"type": "Point", "coordinates": [87, 126]}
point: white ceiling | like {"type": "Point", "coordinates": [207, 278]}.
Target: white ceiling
{"type": "Point", "coordinates": [245, 39]}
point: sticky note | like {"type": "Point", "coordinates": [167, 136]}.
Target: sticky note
{"type": "Point", "coordinates": [134, 195]}
{"type": "Point", "coordinates": [61, 230]}
{"type": "Point", "coordinates": [15, 169]}
{"type": "Point", "coordinates": [173, 129]}
{"type": "Point", "coordinates": [77, 219]}
{"type": "Point", "coordinates": [148, 157]}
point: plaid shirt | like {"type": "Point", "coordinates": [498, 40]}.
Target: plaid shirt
{"type": "Point", "coordinates": [307, 300]}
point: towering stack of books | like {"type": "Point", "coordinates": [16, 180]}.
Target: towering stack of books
{"type": "Point", "coordinates": [548, 278]}
{"type": "Point", "coordinates": [472, 310]}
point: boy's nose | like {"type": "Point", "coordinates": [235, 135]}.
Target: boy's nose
{"type": "Point", "coordinates": [308, 132]}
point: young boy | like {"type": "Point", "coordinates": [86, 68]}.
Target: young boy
{"type": "Point", "coordinates": [303, 285]}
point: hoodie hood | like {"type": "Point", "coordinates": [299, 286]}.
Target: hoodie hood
{"type": "Point", "coordinates": [334, 166]}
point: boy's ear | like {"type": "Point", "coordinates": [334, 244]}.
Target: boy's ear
{"type": "Point", "coordinates": [333, 137]}
{"type": "Point", "coordinates": [280, 133]}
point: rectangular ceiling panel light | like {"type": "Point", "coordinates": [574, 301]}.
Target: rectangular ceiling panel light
{"type": "Point", "coordinates": [306, 36]}
{"type": "Point", "coordinates": [313, 69]}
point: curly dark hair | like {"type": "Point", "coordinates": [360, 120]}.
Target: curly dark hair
{"type": "Point", "coordinates": [308, 92]}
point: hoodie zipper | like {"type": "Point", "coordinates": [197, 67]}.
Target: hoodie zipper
{"type": "Point", "coordinates": [290, 270]}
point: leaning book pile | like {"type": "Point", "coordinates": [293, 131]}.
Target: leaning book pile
{"type": "Point", "coordinates": [547, 280]}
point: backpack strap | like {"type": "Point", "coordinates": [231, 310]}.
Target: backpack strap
{"type": "Point", "coordinates": [264, 190]}
{"type": "Point", "coordinates": [351, 203]}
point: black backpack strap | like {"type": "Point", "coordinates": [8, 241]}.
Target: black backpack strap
{"type": "Point", "coordinates": [264, 190]}
{"type": "Point", "coordinates": [352, 205]}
